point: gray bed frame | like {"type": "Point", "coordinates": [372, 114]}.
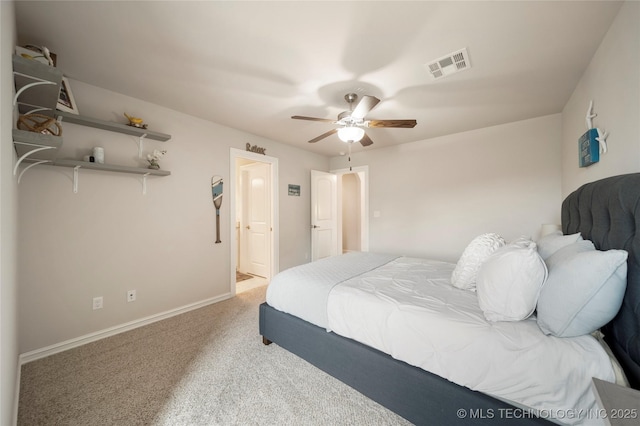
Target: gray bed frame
{"type": "Point", "coordinates": [605, 212]}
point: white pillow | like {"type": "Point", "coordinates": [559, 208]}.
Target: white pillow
{"type": "Point", "coordinates": [478, 250]}
{"type": "Point", "coordinates": [509, 281]}
{"type": "Point", "coordinates": [583, 292]}
{"type": "Point", "coordinates": [551, 243]}
{"type": "Point", "coordinates": [567, 252]}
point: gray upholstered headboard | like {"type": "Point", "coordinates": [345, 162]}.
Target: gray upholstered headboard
{"type": "Point", "coordinates": [607, 212]}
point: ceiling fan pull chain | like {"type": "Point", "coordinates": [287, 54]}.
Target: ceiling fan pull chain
{"type": "Point", "coordinates": [350, 168]}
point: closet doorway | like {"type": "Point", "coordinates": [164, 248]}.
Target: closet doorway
{"type": "Point", "coordinates": [253, 218]}
{"type": "Point", "coordinates": [351, 189]}
{"type": "Point", "coordinates": [343, 197]}
{"type": "Point", "coordinates": [353, 209]}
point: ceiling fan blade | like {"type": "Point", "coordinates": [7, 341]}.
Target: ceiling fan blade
{"type": "Point", "coordinates": [302, 117]}
{"type": "Point", "coordinates": [406, 124]}
{"type": "Point", "coordinates": [324, 135]}
{"type": "Point", "coordinates": [366, 140]}
{"type": "Point", "coordinates": [365, 105]}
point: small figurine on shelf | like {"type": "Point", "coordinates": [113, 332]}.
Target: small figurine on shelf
{"type": "Point", "coordinates": [154, 157]}
{"type": "Point", "coordinates": [135, 121]}
{"type": "Point", "coordinates": [37, 53]}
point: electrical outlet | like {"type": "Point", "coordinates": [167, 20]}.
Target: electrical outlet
{"type": "Point", "coordinates": [131, 296]}
{"type": "Point", "coordinates": [97, 303]}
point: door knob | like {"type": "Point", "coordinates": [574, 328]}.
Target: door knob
{"type": "Point", "coordinates": [248, 227]}
{"type": "Point", "coordinates": [314, 226]}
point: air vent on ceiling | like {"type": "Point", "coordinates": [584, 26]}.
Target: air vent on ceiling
{"type": "Point", "coordinates": [450, 64]}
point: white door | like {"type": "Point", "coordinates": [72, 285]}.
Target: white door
{"type": "Point", "coordinates": [324, 215]}
{"type": "Point", "coordinates": [256, 219]}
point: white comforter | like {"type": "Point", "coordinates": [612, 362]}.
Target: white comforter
{"type": "Point", "coordinates": [303, 291]}
{"type": "Point", "coordinates": [408, 309]}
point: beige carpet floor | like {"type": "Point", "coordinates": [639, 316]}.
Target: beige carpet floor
{"type": "Point", "coordinates": [205, 367]}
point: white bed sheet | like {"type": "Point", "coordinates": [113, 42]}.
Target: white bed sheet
{"type": "Point", "coordinates": [408, 309]}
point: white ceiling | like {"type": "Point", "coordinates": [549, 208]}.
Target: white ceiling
{"type": "Point", "coordinates": [252, 65]}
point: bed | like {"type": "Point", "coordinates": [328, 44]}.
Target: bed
{"type": "Point", "coordinates": [603, 212]}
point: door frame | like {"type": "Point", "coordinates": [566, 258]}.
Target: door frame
{"type": "Point", "coordinates": [275, 234]}
{"type": "Point", "coordinates": [364, 219]}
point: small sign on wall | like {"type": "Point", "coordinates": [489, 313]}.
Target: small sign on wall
{"type": "Point", "coordinates": [589, 148]}
{"type": "Point", "coordinates": [294, 190]}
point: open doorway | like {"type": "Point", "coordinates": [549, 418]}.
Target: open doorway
{"type": "Point", "coordinates": [353, 209]}
{"type": "Point", "coordinates": [351, 215]}
{"type": "Point", "coordinates": [339, 212]}
{"type": "Point", "coordinates": [254, 255]}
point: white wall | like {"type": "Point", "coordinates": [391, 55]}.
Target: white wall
{"type": "Point", "coordinates": [612, 81]}
{"type": "Point", "coordinates": [8, 219]}
{"type": "Point", "coordinates": [109, 238]}
{"type": "Point", "coordinates": [434, 196]}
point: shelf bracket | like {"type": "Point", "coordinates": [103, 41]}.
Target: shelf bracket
{"type": "Point", "coordinates": [140, 143]}
{"type": "Point", "coordinates": [30, 166]}
{"type": "Point", "coordinates": [38, 82]}
{"type": "Point", "coordinates": [25, 155]}
{"type": "Point", "coordinates": [75, 178]}
{"type": "Point", "coordinates": [144, 183]}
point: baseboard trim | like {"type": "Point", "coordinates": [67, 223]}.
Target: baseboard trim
{"type": "Point", "coordinates": [112, 331]}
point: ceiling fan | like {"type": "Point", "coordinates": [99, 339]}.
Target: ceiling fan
{"type": "Point", "coordinates": [351, 123]}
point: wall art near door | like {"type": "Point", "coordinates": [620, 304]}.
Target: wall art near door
{"type": "Point", "coordinates": [216, 191]}
{"type": "Point", "coordinates": [294, 190]}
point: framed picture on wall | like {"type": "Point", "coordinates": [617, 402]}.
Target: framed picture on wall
{"type": "Point", "coordinates": [589, 148]}
{"type": "Point", "coordinates": [66, 101]}
{"type": "Point", "coordinates": [294, 190]}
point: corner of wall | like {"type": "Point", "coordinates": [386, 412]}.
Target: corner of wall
{"type": "Point", "coordinates": [9, 385]}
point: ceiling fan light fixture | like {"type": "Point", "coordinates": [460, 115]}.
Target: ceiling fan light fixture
{"type": "Point", "coordinates": [350, 134]}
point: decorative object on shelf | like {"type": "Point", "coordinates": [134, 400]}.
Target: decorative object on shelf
{"type": "Point", "coordinates": [294, 190]}
{"type": "Point", "coordinates": [66, 101]}
{"type": "Point", "coordinates": [216, 192]}
{"type": "Point", "coordinates": [98, 154]}
{"type": "Point", "coordinates": [37, 53]}
{"type": "Point", "coordinates": [135, 122]}
{"type": "Point", "coordinates": [256, 149]}
{"type": "Point", "coordinates": [154, 158]}
{"type": "Point", "coordinates": [39, 123]}
{"type": "Point", "coordinates": [593, 142]}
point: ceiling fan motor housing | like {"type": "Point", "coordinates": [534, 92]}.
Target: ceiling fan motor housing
{"type": "Point", "coordinates": [351, 98]}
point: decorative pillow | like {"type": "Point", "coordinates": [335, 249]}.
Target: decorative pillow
{"type": "Point", "coordinates": [509, 281]}
{"type": "Point", "coordinates": [583, 292]}
{"type": "Point", "coordinates": [566, 252]}
{"type": "Point", "coordinates": [551, 243]}
{"type": "Point", "coordinates": [478, 250]}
